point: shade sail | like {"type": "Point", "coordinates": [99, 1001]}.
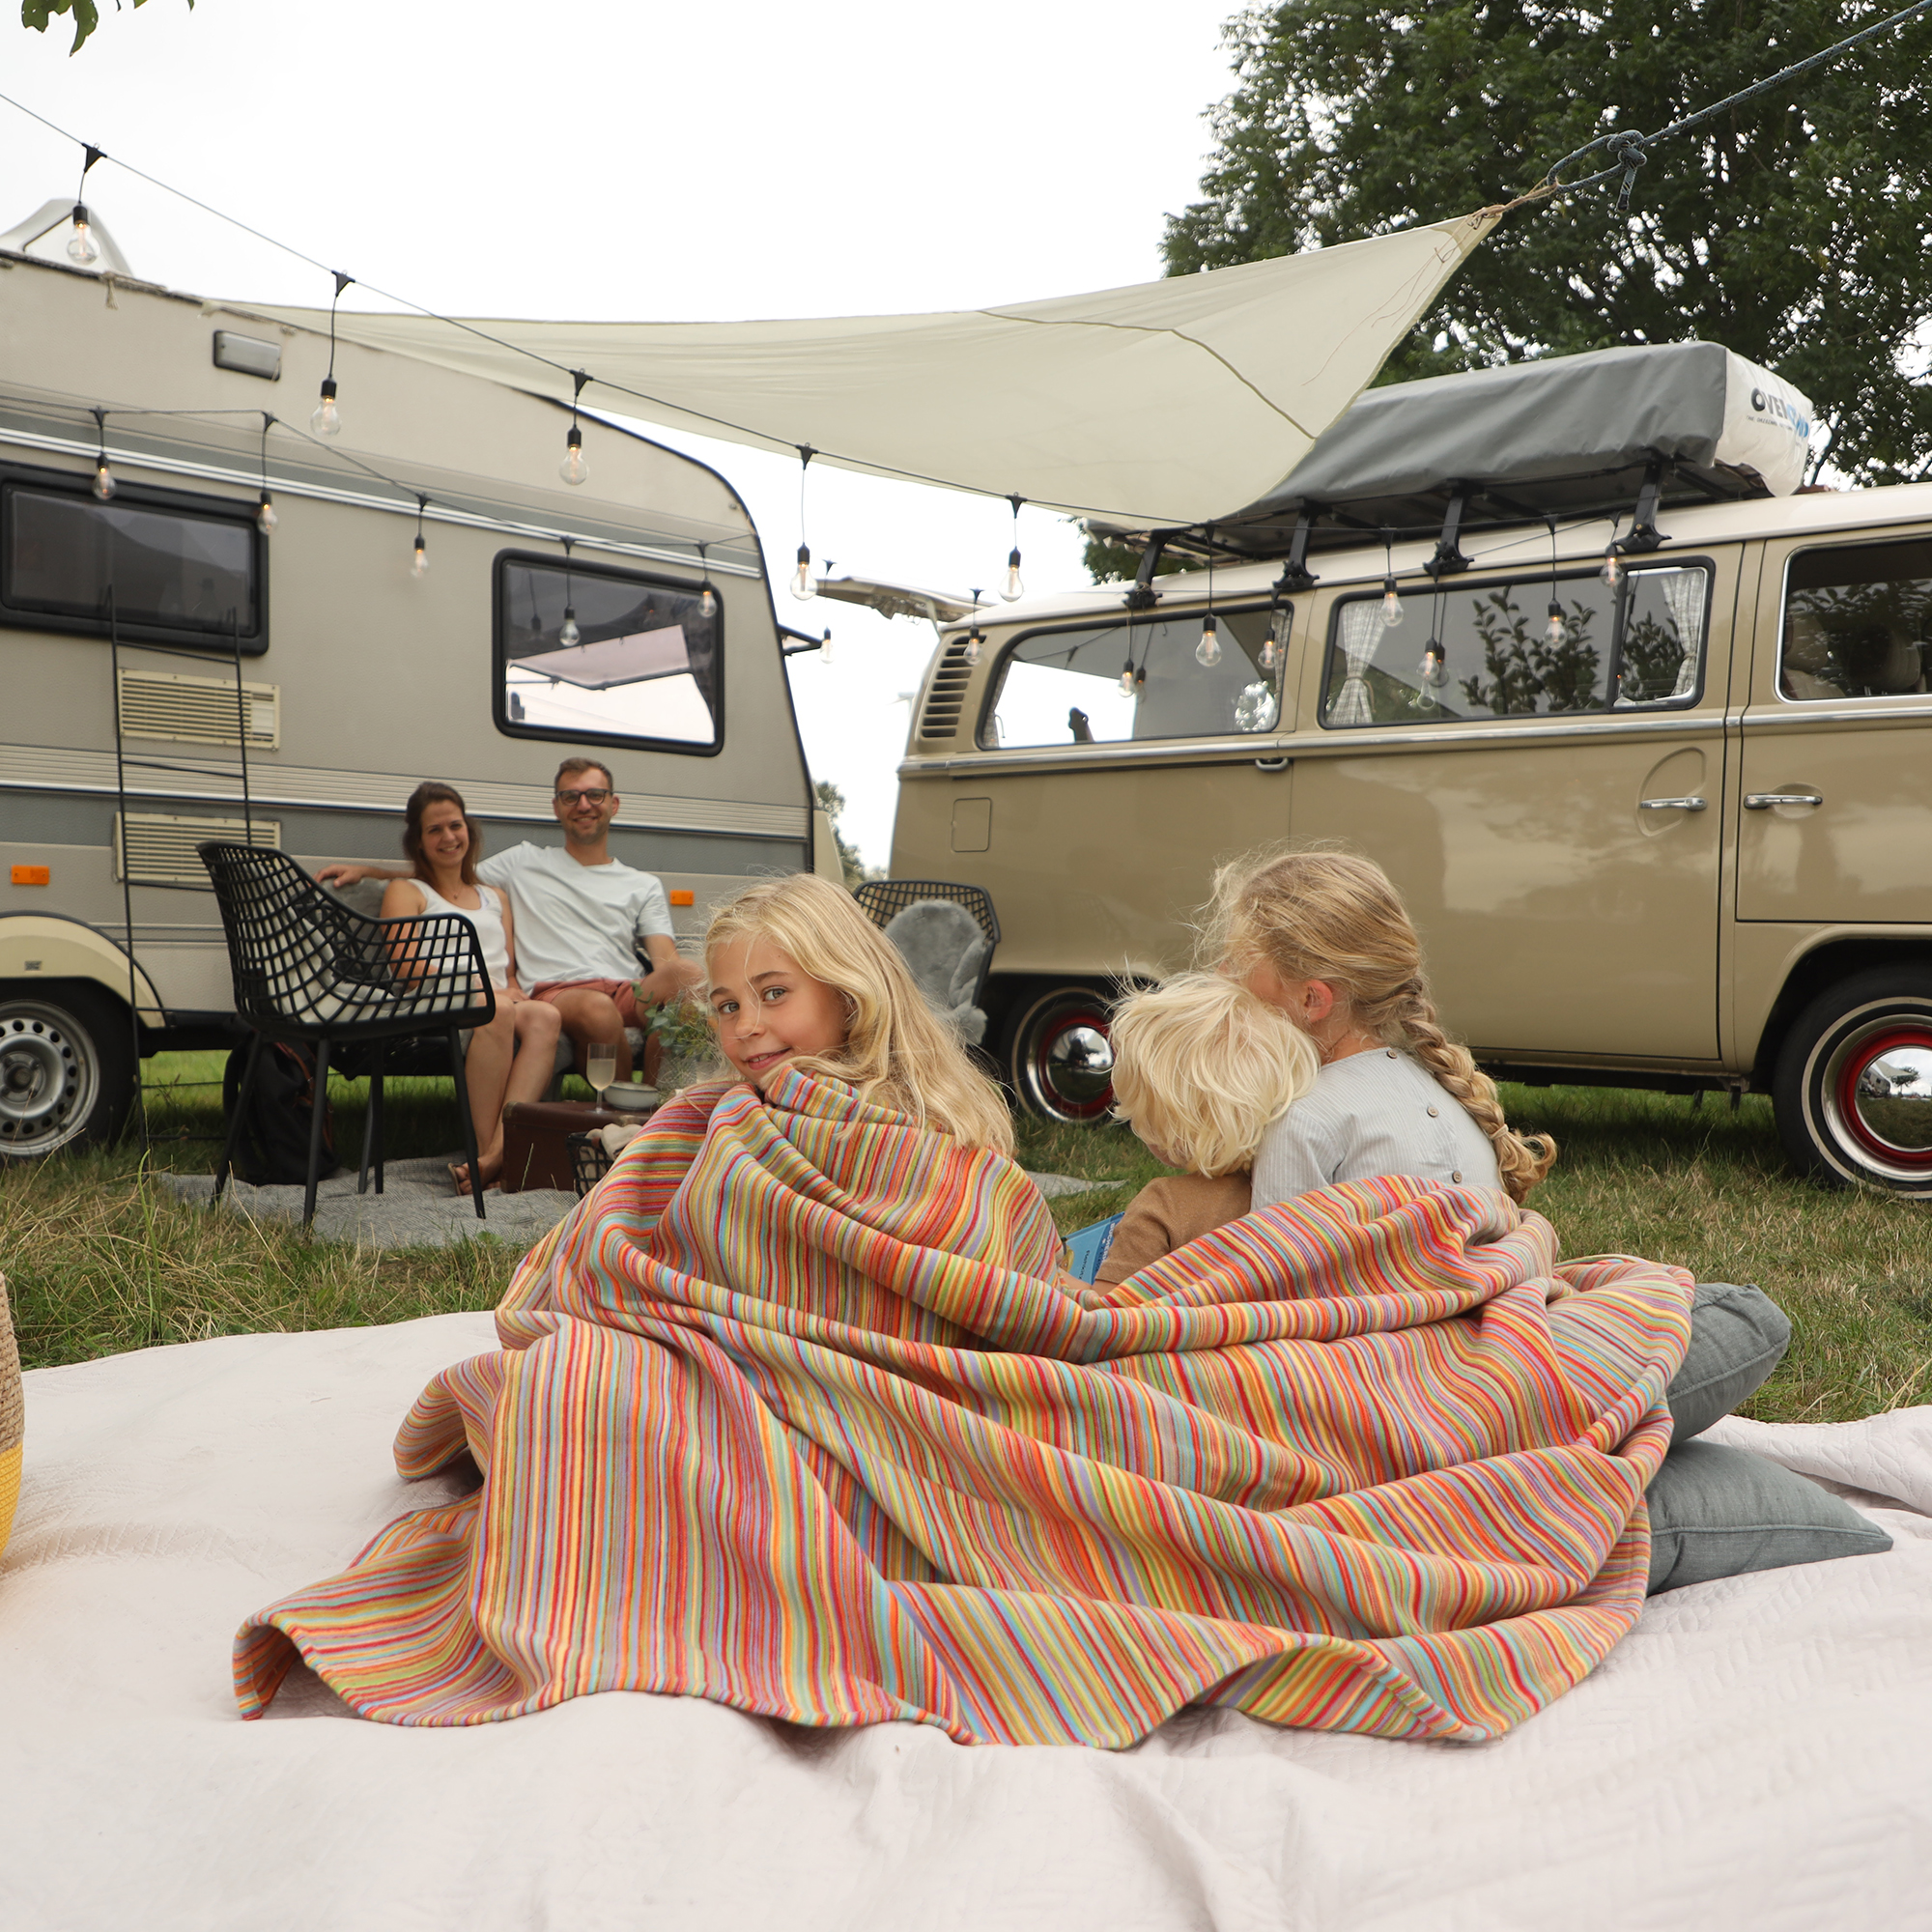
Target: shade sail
{"type": "Point", "coordinates": [1165, 403]}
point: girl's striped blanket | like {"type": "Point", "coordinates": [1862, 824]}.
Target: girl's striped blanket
{"type": "Point", "coordinates": [790, 1415]}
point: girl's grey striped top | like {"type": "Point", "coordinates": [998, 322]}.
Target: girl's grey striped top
{"type": "Point", "coordinates": [1378, 1112]}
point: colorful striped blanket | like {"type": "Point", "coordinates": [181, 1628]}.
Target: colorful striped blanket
{"type": "Point", "coordinates": [790, 1415]}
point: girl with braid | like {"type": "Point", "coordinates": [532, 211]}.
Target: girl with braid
{"type": "Point", "coordinates": [1323, 937]}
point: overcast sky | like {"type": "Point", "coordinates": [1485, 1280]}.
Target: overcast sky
{"type": "Point", "coordinates": [626, 160]}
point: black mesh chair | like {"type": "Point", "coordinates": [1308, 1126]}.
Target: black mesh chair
{"type": "Point", "coordinates": [308, 969]}
{"type": "Point", "coordinates": [882, 899]}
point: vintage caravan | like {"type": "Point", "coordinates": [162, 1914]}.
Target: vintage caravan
{"type": "Point", "coordinates": [1647, 747]}
{"type": "Point", "coordinates": [431, 600]}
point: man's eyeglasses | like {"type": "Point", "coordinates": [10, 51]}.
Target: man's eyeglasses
{"type": "Point", "coordinates": [589, 795]}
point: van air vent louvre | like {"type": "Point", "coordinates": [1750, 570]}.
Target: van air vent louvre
{"type": "Point", "coordinates": [160, 847]}
{"type": "Point", "coordinates": [199, 710]}
{"type": "Point", "coordinates": [940, 716]}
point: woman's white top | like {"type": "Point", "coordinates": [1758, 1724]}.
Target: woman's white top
{"type": "Point", "coordinates": [1378, 1112]}
{"type": "Point", "coordinates": [487, 918]}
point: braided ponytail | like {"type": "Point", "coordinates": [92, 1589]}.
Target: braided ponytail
{"type": "Point", "coordinates": [1332, 915]}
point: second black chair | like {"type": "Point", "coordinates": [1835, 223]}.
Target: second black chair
{"type": "Point", "coordinates": [308, 969]}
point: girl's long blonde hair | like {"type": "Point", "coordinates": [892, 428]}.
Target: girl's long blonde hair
{"type": "Point", "coordinates": [1202, 1068]}
{"type": "Point", "coordinates": [898, 1051]}
{"type": "Point", "coordinates": [1335, 917]}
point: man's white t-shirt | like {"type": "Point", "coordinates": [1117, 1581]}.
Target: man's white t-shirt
{"type": "Point", "coordinates": [577, 921]}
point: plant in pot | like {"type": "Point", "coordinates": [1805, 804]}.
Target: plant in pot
{"type": "Point", "coordinates": [688, 1046]}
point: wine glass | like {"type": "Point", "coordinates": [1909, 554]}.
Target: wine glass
{"type": "Point", "coordinates": [599, 1066]}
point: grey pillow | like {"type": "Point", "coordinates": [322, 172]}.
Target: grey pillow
{"type": "Point", "coordinates": [1721, 1512]}
{"type": "Point", "coordinates": [943, 945]}
{"type": "Point", "coordinates": [1738, 1335]}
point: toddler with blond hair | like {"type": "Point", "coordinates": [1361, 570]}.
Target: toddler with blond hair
{"type": "Point", "coordinates": [1202, 1070]}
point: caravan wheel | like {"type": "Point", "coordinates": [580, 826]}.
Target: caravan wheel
{"type": "Point", "coordinates": [67, 1070]}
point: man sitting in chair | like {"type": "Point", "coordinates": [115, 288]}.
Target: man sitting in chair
{"type": "Point", "coordinates": [582, 917]}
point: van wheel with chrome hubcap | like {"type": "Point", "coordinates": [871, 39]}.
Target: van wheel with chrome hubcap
{"type": "Point", "coordinates": [1853, 1083]}
{"type": "Point", "coordinates": [1059, 1058]}
{"type": "Point", "coordinates": [67, 1070]}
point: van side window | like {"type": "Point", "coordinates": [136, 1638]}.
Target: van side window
{"type": "Point", "coordinates": [1857, 618]}
{"type": "Point", "coordinates": [169, 568]}
{"type": "Point", "coordinates": [1161, 677]}
{"type": "Point", "coordinates": [605, 655]}
{"type": "Point", "coordinates": [1495, 650]}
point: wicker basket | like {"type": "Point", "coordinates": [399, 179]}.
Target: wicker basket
{"type": "Point", "coordinates": [13, 1418]}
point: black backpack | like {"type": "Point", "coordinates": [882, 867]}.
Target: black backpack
{"type": "Point", "coordinates": [273, 1146]}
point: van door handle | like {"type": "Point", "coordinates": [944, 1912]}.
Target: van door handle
{"type": "Point", "coordinates": [1270, 764]}
{"type": "Point", "coordinates": [1673, 804]}
{"type": "Point", "coordinates": [1763, 801]}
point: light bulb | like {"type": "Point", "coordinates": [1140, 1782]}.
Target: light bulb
{"type": "Point", "coordinates": [265, 518]}
{"type": "Point", "coordinates": [328, 418]}
{"type": "Point", "coordinates": [1269, 655]}
{"type": "Point", "coordinates": [103, 477]}
{"type": "Point", "coordinates": [1612, 572]}
{"type": "Point", "coordinates": [570, 635]}
{"type": "Point", "coordinates": [1208, 652]}
{"type": "Point", "coordinates": [802, 586]}
{"type": "Point", "coordinates": [1128, 678]}
{"type": "Point", "coordinates": [707, 601]}
{"type": "Point", "coordinates": [1558, 631]}
{"type": "Point", "coordinates": [419, 562]}
{"type": "Point", "coordinates": [1014, 589]}
{"type": "Point", "coordinates": [1434, 672]}
{"type": "Point", "coordinates": [81, 247]}
{"type": "Point", "coordinates": [972, 651]}
{"type": "Point", "coordinates": [825, 647]}
{"type": "Point", "coordinates": [573, 469]}
{"type": "Point", "coordinates": [1391, 604]}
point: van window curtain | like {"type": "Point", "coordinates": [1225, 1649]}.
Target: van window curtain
{"type": "Point", "coordinates": [1361, 631]}
{"type": "Point", "coordinates": [1684, 595]}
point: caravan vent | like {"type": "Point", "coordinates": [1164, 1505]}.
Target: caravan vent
{"type": "Point", "coordinates": [199, 710]}
{"type": "Point", "coordinates": [941, 717]}
{"type": "Point", "coordinates": [160, 850]}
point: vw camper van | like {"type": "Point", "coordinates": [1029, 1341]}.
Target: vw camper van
{"type": "Point", "coordinates": [1645, 745]}
{"type": "Point", "coordinates": [215, 623]}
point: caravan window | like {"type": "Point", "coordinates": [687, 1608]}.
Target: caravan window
{"type": "Point", "coordinates": [602, 656]}
{"type": "Point", "coordinates": [1858, 623]}
{"type": "Point", "coordinates": [1112, 683]}
{"type": "Point", "coordinates": [1489, 650]}
{"type": "Point", "coordinates": [160, 567]}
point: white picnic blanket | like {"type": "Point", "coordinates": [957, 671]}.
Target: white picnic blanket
{"type": "Point", "coordinates": [1757, 1755]}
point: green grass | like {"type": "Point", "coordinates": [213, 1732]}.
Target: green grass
{"type": "Point", "coordinates": [1705, 1189]}
{"type": "Point", "coordinates": [98, 1259]}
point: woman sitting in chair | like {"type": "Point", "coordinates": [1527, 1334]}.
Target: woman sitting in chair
{"type": "Point", "coordinates": [513, 1056]}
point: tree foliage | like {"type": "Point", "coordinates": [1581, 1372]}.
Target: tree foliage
{"type": "Point", "coordinates": [35, 14]}
{"type": "Point", "coordinates": [1793, 229]}
{"type": "Point", "coordinates": [831, 802]}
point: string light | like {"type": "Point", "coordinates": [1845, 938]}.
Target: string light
{"type": "Point", "coordinates": [570, 636]}
{"type": "Point", "coordinates": [573, 469]}
{"type": "Point", "coordinates": [1556, 630]}
{"type": "Point", "coordinates": [802, 586]}
{"type": "Point", "coordinates": [103, 477]}
{"type": "Point", "coordinates": [825, 646]}
{"type": "Point", "coordinates": [81, 247]}
{"type": "Point", "coordinates": [1612, 572]}
{"type": "Point", "coordinates": [328, 418]}
{"type": "Point", "coordinates": [707, 598]}
{"type": "Point", "coordinates": [974, 641]}
{"type": "Point", "coordinates": [420, 556]}
{"type": "Point", "coordinates": [265, 518]}
{"type": "Point", "coordinates": [1392, 611]}
{"type": "Point", "coordinates": [1013, 589]}
{"type": "Point", "coordinates": [1208, 652]}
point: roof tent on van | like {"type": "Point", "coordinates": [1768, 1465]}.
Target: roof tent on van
{"type": "Point", "coordinates": [1617, 431]}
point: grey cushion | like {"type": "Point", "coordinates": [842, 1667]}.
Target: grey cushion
{"type": "Point", "coordinates": [1721, 1512]}
{"type": "Point", "coordinates": [941, 944]}
{"type": "Point", "coordinates": [1738, 1335]}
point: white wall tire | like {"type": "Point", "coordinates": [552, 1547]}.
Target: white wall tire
{"type": "Point", "coordinates": [1853, 1091]}
{"type": "Point", "coordinates": [1058, 1057]}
